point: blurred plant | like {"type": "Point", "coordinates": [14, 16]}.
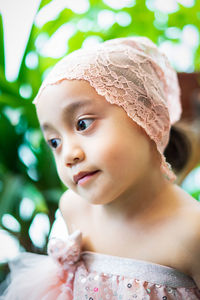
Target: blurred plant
{"type": "Point", "coordinates": [28, 176]}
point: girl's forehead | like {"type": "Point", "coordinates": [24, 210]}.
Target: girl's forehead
{"type": "Point", "coordinates": [71, 89]}
{"type": "Point", "coordinates": [69, 97]}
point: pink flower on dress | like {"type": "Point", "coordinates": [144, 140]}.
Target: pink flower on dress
{"type": "Point", "coordinates": [66, 253]}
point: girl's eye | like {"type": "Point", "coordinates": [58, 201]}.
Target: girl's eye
{"type": "Point", "coordinates": [83, 124]}
{"type": "Point", "coordinates": [54, 143]}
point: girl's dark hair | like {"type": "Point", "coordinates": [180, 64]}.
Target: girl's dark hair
{"type": "Point", "coordinates": [178, 150]}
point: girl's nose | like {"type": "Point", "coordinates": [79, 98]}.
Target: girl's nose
{"type": "Point", "coordinates": [73, 155]}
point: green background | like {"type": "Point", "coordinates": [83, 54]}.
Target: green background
{"type": "Point", "coordinates": [36, 179]}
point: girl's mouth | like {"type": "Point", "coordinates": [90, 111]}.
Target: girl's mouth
{"type": "Point", "coordinates": [87, 177]}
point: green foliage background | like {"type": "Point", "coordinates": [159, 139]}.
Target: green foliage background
{"type": "Point", "coordinates": [38, 180]}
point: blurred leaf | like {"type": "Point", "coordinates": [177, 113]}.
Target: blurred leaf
{"type": "Point", "coordinates": [11, 100]}
{"type": "Point", "coordinates": [47, 169]}
{"type": "Point", "coordinates": [76, 41]}
{"type": "Point", "coordinates": [30, 191]}
{"type": "Point", "coordinates": [2, 55]}
{"type": "Point", "coordinates": [196, 194]}
{"type": "Point", "coordinates": [8, 87]}
{"type": "Point", "coordinates": [52, 26]}
{"type": "Point", "coordinates": [12, 187]}
{"type": "Point", "coordinates": [53, 195]}
{"type": "Point", "coordinates": [197, 59]}
{"type": "Point", "coordinates": [3, 272]}
{"type": "Point", "coordinates": [9, 146]}
{"type": "Point", "coordinates": [43, 3]}
{"type": "Point", "coordinates": [185, 16]}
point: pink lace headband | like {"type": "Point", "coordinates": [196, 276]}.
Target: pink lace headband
{"type": "Point", "coordinates": [132, 73]}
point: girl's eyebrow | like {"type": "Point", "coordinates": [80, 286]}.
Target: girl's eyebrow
{"type": "Point", "coordinates": [69, 110]}
{"type": "Point", "coordinates": [45, 127]}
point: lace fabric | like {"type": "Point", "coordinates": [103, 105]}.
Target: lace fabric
{"type": "Point", "coordinates": [134, 74]}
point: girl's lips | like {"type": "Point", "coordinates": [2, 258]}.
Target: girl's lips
{"type": "Point", "coordinates": [80, 175]}
{"type": "Point", "coordinates": [86, 178]}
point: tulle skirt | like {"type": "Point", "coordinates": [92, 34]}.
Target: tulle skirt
{"type": "Point", "coordinates": [35, 277]}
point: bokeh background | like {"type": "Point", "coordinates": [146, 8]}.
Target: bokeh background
{"type": "Point", "coordinates": [34, 35]}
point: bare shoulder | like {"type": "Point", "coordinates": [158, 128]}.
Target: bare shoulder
{"type": "Point", "coordinates": [185, 201]}
{"type": "Point", "coordinates": [71, 204]}
{"type": "Point", "coordinates": [189, 210]}
{"type": "Point", "coordinates": [190, 230]}
{"type": "Point", "coordinates": [193, 246]}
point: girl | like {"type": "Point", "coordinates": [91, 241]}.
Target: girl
{"type": "Point", "coordinates": [133, 233]}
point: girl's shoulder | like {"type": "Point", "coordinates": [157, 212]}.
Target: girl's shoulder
{"type": "Point", "coordinates": [192, 220]}
{"type": "Point", "coordinates": [189, 229]}
{"type": "Point", "coordinates": [72, 206]}
{"type": "Point", "coordinates": [188, 213]}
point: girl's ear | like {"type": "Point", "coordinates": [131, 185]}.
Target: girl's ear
{"type": "Point", "coordinates": [182, 151]}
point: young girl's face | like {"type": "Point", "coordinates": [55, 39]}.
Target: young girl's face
{"type": "Point", "coordinates": [88, 134]}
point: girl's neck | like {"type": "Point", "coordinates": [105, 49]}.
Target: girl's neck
{"type": "Point", "coordinates": [143, 201]}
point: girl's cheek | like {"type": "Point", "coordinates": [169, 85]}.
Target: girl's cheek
{"type": "Point", "coordinates": [60, 170]}
{"type": "Point", "coordinates": [63, 178]}
{"type": "Point", "coordinates": [63, 175]}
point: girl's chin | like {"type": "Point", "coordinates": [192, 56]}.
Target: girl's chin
{"type": "Point", "coordinates": [102, 200]}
